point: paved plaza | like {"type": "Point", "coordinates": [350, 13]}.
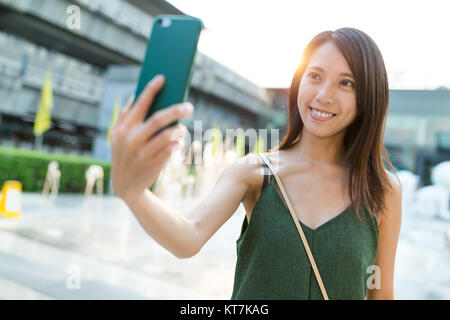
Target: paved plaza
{"type": "Point", "coordinates": [77, 248]}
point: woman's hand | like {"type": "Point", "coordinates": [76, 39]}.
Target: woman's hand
{"type": "Point", "coordinates": [137, 157]}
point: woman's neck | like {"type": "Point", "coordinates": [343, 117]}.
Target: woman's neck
{"type": "Point", "coordinates": [319, 151]}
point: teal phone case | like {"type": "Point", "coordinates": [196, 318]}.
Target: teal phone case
{"type": "Point", "coordinates": [170, 51]}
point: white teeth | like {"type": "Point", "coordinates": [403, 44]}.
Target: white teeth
{"type": "Point", "coordinates": [321, 114]}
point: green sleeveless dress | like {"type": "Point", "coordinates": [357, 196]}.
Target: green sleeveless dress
{"type": "Point", "coordinates": [272, 262]}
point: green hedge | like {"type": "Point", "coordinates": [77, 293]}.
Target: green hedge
{"type": "Point", "coordinates": [30, 168]}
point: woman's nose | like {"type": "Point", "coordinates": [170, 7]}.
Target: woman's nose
{"type": "Point", "coordinates": [325, 95]}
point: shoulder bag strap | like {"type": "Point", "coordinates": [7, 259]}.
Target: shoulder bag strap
{"type": "Point", "coordinates": [299, 228]}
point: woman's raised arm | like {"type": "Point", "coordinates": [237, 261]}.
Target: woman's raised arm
{"type": "Point", "coordinates": [137, 160]}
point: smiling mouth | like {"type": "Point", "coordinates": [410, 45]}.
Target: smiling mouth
{"type": "Point", "coordinates": [320, 114]}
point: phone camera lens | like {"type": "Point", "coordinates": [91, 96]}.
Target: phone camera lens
{"type": "Point", "coordinates": [165, 22]}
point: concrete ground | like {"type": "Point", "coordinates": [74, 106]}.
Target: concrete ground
{"type": "Point", "coordinates": [76, 248]}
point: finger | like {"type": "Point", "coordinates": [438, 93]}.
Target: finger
{"type": "Point", "coordinates": [167, 137]}
{"type": "Point", "coordinates": [164, 117]}
{"type": "Point", "coordinates": [145, 99]}
{"type": "Point", "coordinates": [129, 103]}
{"type": "Point", "coordinates": [126, 109]}
{"type": "Point", "coordinates": [161, 157]}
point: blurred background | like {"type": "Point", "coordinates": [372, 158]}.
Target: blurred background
{"type": "Point", "coordinates": [63, 233]}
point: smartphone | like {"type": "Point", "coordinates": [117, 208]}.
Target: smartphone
{"type": "Point", "coordinates": [170, 51]}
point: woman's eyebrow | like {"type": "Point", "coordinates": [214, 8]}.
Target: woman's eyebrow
{"type": "Point", "coordinates": [342, 74]}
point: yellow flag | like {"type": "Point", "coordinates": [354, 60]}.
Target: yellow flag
{"type": "Point", "coordinates": [216, 141]}
{"type": "Point", "coordinates": [114, 117]}
{"type": "Point", "coordinates": [44, 112]}
{"type": "Point", "coordinates": [239, 147]}
{"type": "Point", "coordinates": [259, 146]}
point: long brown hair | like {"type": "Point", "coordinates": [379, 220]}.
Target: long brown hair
{"type": "Point", "coordinates": [364, 150]}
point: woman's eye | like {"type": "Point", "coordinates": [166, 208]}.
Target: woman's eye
{"type": "Point", "coordinates": [351, 83]}
{"type": "Point", "coordinates": [313, 73]}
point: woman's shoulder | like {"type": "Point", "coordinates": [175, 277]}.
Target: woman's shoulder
{"type": "Point", "coordinates": [392, 200]}
{"type": "Point", "coordinates": [394, 181]}
{"type": "Point", "coordinates": [249, 169]}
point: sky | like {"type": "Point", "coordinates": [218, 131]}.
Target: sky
{"type": "Point", "coordinates": [263, 40]}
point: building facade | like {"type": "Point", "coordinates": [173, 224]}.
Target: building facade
{"type": "Point", "coordinates": [93, 66]}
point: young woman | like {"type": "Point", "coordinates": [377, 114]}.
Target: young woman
{"type": "Point", "coordinates": [330, 162]}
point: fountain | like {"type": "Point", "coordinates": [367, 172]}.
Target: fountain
{"type": "Point", "coordinates": [94, 176]}
{"type": "Point", "coordinates": [52, 180]}
{"type": "Point", "coordinates": [433, 200]}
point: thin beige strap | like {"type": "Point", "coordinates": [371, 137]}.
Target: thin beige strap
{"type": "Point", "coordinates": [299, 228]}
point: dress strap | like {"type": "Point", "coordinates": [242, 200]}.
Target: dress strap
{"type": "Point", "coordinates": [266, 176]}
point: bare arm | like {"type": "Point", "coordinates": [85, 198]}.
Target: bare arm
{"type": "Point", "coordinates": [184, 236]}
{"type": "Point", "coordinates": [138, 158]}
{"type": "Point", "coordinates": [224, 199]}
{"type": "Point", "coordinates": [165, 225]}
{"type": "Point", "coordinates": [389, 231]}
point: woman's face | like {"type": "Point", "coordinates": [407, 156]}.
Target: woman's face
{"type": "Point", "coordinates": [324, 86]}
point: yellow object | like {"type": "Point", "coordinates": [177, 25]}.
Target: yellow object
{"type": "Point", "coordinates": [259, 146]}
{"type": "Point", "coordinates": [216, 141]}
{"type": "Point", "coordinates": [114, 117]}
{"type": "Point", "coordinates": [239, 147]}
{"type": "Point", "coordinates": [43, 115]}
{"type": "Point", "coordinates": [11, 203]}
